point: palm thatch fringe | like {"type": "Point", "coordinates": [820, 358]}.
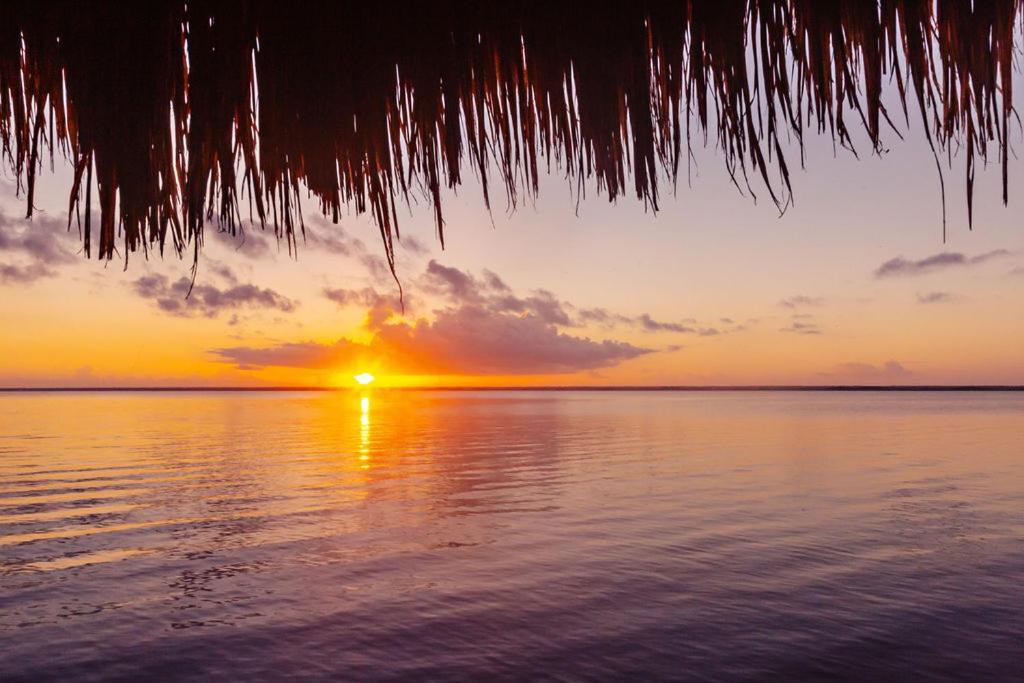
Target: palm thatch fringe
{"type": "Point", "coordinates": [181, 111]}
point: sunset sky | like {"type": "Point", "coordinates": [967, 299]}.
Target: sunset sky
{"type": "Point", "coordinates": [854, 285]}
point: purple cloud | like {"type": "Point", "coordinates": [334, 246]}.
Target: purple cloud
{"type": "Point", "coordinates": [305, 355]}
{"type": "Point", "coordinates": [542, 304]}
{"type": "Point", "coordinates": [414, 246]}
{"type": "Point", "coordinates": [934, 298]}
{"type": "Point", "coordinates": [456, 285]}
{"type": "Point", "coordinates": [801, 327]}
{"type": "Point", "coordinates": [367, 296]}
{"type": "Point", "coordinates": [495, 283]}
{"type": "Point", "coordinates": [41, 239]}
{"type": "Point", "coordinates": [800, 301]}
{"type": "Point", "coordinates": [468, 340]}
{"type": "Point", "coordinates": [492, 293]}
{"type": "Point", "coordinates": [651, 325]}
{"type": "Point", "coordinates": [250, 242]}
{"type": "Point", "coordinates": [37, 245]}
{"type": "Point", "coordinates": [603, 316]}
{"type": "Point", "coordinates": [901, 267]}
{"type": "Point", "coordinates": [332, 238]}
{"type": "Point", "coordinates": [26, 274]}
{"type": "Point", "coordinates": [208, 300]}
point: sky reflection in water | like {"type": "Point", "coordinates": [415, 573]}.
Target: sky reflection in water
{"type": "Point", "coordinates": [593, 534]}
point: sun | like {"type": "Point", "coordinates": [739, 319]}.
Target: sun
{"type": "Point", "coordinates": [364, 378]}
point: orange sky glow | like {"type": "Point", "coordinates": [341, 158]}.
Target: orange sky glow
{"type": "Point", "coordinates": [854, 285]}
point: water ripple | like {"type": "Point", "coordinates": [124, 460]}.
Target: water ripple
{"type": "Point", "coordinates": [512, 536]}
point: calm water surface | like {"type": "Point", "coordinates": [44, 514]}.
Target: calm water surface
{"type": "Point", "coordinates": [591, 535]}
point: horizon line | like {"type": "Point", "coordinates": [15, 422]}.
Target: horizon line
{"type": "Point", "coordinates": [567, 387]}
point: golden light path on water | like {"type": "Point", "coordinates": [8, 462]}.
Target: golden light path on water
{"type": "Point", "coordinates": [364, 431]}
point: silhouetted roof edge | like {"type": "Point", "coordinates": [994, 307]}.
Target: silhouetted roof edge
{"type": "Point", "coordinates": [183, 113]}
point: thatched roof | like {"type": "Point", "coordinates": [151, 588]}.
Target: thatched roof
{"type": "Point", "coordinates": [180, 112]}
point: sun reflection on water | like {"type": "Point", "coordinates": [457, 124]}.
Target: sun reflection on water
{"type": "Point", "coordinates": [364, 431]}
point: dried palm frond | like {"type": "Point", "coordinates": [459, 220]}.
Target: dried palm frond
{"type": "Point", "coordinates": [181, 111]}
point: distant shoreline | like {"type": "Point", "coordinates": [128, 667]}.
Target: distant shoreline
{"type": "Point", "coordinates": [668, 388]}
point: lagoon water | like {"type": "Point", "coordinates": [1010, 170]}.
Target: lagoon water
{"type": "Point", "coordinates": [512, 535]}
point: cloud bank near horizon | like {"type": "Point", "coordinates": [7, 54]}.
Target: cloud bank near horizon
{"type": "Point", "coordinates": [469, 340]}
